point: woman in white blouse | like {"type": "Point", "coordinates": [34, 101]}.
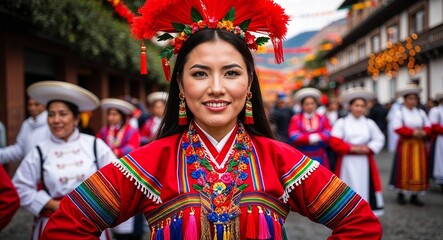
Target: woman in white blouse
{"type": "Point", "coordinates": [356, 139]}
{"type": "Point", "coordinates": [436, 118]}
{"type": "Point", "coordinates": [410, 171]}
{"type": "Point", "coordinates": [58, 165]}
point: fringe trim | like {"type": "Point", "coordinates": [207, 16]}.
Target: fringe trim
{"type": "Point", "coordinates": [288, 189]}
{"type": "Point", "coordinates": [140, 186]}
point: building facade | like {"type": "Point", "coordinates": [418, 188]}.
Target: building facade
{"type": "Point", "coordinates": [415, 27]}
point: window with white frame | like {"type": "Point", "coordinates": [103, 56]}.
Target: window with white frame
{"type": "Point", "coordinates": [393, 33]}
{"type": "Point", "coordinates": [375, 43]}
{"type": "Point", "coordinates": [417, 21]}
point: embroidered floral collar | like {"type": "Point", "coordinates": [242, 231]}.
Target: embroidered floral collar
{"type": "Point", "coordinates": [221, 191]}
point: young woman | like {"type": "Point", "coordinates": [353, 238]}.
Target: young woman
{"type": "Point", "coordinates": [436, 118]}
{"type": "Point", "coordinates": [356, 139]}
{"type": "Point", "coordinates": [157, 104]}
{"type": "Point", "coordinates": [122, 138]}
{"type": "Point", "coordinates": [213, 172]}
{"type": "Point", "coordinates": [58, 165]}
{"type": "Point", "coordinates": [410, 171]}
{"type": "Point", "coordinates": [309, 131]}
{"type": "Point", "coordinates": [118, 133]}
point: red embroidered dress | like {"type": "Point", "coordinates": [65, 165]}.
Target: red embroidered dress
{"type": "Point", "coordinates": [189, 190]}
{"type": "Point", "coordinates": [122, 141]}
{"type": "Point", "coordinates": [301, 130]}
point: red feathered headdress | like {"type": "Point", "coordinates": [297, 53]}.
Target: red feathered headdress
{"type": "Point", "coordinates": [185, 17]}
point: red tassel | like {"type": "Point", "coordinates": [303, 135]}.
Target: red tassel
{"type": "Point", "coordinates": [278, 50]}
{"type": "Point", "coordinates": [166, 69]}
{"type": "Point", "coordinates": [251, 231]}
{"type": "Point", "coordinates": [191, 228]}
{"type": "Point", "coordinates": [263, 230]}
{"type": "Point", "coordinates": [277, 229]}
{"type": "Point", "coordinates": [167, 230]}
{"type": "Point", "coordinates": [143, 60]}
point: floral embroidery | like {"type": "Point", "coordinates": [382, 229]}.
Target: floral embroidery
{"type": "Point", "coordinates": [221, 188]}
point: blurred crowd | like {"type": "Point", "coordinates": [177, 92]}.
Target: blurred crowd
{"type": "Point", "coordinates": [344, 134]}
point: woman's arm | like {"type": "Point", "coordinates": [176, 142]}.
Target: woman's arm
{"type": "Point", "coordinates": [9, 201]}
{"type": "Point", "coordinates": [104, 200]}
{"type": "Point", "coordinates": [26, 180]}
{"type": "Point", "coordinates": [324, 198]}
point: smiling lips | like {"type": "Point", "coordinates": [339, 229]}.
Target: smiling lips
{"type": "Point", "coordinates": [216, 106]}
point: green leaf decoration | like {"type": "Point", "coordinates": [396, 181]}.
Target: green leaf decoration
{"type": "Point", "coordinates": [261, 40]}
{"type": "Point", "coordinates": [230, 16]}
{"type": "Point", "coordinates": [197, 187]}
{"type": "Point", "coordinates": [187, 30]}
{"type": "Point", "coordinates": [206, 164]}
{"type": "Point", "coordinates": [167, 52]}
{"type": "Point", "coordinates": [245, 24]}
{"type": "Point", "coordinates": [195, 15]}
{"type": "Point", "coordinates": [233, 163]}
{"type": "Point", "coordinates": [243, 186]}
{"type": "Point", "coordinates": [164, 37]}
{"type": "Point", "coordinates": [178, 26]}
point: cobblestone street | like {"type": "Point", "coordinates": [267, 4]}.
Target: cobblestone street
{"type": "Point", "coordinates": [399, 222]}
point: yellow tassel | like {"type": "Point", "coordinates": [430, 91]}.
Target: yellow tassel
{"type": "Point", "coordinates": [215, 232]}
{"type": "Point", "coordinates": [228, 234]}
{"type": "Point", "coordinates": [225, 233]}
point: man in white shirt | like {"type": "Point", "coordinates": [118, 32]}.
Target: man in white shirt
{"type": "Point", "coordinates": [32, 131]}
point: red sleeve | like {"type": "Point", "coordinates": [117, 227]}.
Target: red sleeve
{"type": "Point", "coordinates": [104, 200]}
{"type": "Point", "coordinates": [428, 130]}
{"type": "Point", "coordinates": [404, 131]}
{"type": "Point", "coordinates": [296, 137]}
{"type": "Point", "coordinates": [9, 200]}
{"type": "Point", "coordinates": [326, 133]}
{"type": "Point", "coordinates": [437, 129]}
{"type": "Point", "coordinates": [324, 198]}
{"type": "Point", "coordinates": [340, 146]}
{"type": "Point", "coordinates": [313, 191]}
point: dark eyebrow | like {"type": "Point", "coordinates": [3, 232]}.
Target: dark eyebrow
{"type": "Point", "coordinates": [207, 68]}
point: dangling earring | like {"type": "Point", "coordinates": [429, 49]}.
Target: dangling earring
{"type": "Point", "coordinates": [249, 119]}
{"type": "Point", "coordinates": [182, 118]}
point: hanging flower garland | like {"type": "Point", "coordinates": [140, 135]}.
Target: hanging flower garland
{"type": "Point", "coordinates": [122, 10]}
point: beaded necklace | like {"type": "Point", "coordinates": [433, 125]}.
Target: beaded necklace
{"type": "Point", "coordinates": [220, 192]}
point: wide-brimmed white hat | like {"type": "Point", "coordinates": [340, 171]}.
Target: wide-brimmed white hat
{"type": "Point", "coordinates": [123, 106]}
{"type": "Point", "coordinates": [438, 96]}
{"type": "Point", "coordinates": [307, 92]}
{"type": "Point", "coordinates": [408, 89]}
{"type": "Point", "coordinates": [357, 92]}
{"type": "Point", "coordinates": [151, 98]}
{"type": "Point", "coordinates": [46, 91]}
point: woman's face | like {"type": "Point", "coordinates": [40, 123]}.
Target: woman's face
{"type": "Point", "coordinates": [358, 108]}
{"type": "Point", "coordinates": [309, 105]}
{"type": "Point", "coordinates": [61, 120]}
{"type": "Point", "coordinates": [215, 84]}
{"type": "Point", "coordinates": [158, 108]}
{"type": "Point", "coordinates": [114, 117]}
{"type": "Point", "coordinates": [411, 100]}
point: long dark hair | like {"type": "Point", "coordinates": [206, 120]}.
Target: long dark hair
{"type": "Point", "coordinates": [169, 124]}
